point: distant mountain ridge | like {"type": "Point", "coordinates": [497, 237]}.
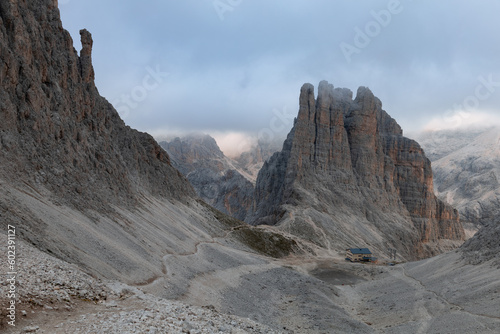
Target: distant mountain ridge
{"type": "Point", "coordinates": [215, 177]}
{"type": "Point", "coordinates": [347, 176]}
{"type": "Point", "coordinates": [252, 160]}
{"type": "Point", "coordinates": [466, 168]}
{"type": "Point", "coordinates": [77, 183]}
{"type": "Point", "coordinates": [224, 183]}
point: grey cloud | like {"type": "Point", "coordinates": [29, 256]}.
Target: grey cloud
{"type": "Point", "coordinates": [228, 75]}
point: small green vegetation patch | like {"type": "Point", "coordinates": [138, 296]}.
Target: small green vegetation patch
{"type": "Point", "coordinates": [222, 217]}
{"type": "Point", "coordinates": [266, 242]}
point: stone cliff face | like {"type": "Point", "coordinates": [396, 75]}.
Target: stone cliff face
{"type": "Point", "coordinates": [55, 126]}
{"type": "Point", "coordinates": [76, 182]}
{"type": "Point", "coordinates": [348, 157]}
{"type": "Point", "coordinates": [214, 176]}
{"type": "Point", "coordinates": [74, 179]}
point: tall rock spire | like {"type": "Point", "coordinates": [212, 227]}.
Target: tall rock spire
{"type": "Point", "coordinates": [347, 162]}
{"type": "Point", "coordinates": [86, 68]}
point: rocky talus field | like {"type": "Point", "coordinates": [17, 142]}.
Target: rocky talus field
{"type": "Point", "coordinates": [110, 237]}
{"type": "Point", "coordinates": [444, 294]}
{"type": "Point", "coordinates": [58, 297]}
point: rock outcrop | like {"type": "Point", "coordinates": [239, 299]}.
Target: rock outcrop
{"type": "Point", "coordinates": [75, 181]}
{"type": "Point", "coordinates": [214, 176]}
{"type": "Point", "coordinates": [484, 246]}
{"type": "Point", "coordinates": [57, 129]}
{"type": "Point", "coordinates": [347, 176]}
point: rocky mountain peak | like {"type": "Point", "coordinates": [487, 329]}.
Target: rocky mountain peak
{"type": "Point", "coordinates": [364, 96]}
{"type": "Point", "coordinates": [325, 92]}
{"type": "Point", "coordinates": [348, 158]}
{"type": "Point", "coordinates": [214, 176]}
{"type": "Point", "coordinates": [194, 147]}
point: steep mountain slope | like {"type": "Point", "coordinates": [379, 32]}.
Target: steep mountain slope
{"type": "Point", "coordinates": [69, 165]}
{"type": "Point", "coordinates": [466, 165]}
{"type": "Point", "coordinates": [467, 173]}
{"type": "Point", "coordinates": [76, 182]}
{"type": "Point", "coordinates": [214, 176]}
{"type": "Point", "coordinates": [484, 246]}
{"type": "Point", "coordinates": [57, 129]}
{"type": "Point", "coordinates": [346, 176]}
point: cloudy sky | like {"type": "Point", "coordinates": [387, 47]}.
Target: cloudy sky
{"type": "Point", "coordinates": [234, 68]}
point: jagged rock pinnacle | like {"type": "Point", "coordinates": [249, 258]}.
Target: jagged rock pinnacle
{"type": "Point", "coordinates": [346, 161]}
{"type": "Point", "coordinates": [86, 68]}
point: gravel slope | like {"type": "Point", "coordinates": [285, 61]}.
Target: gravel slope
{"type": "Point", "coordinates": [443, 294]}
{"type": "Point", "coordinates": [57, 297]}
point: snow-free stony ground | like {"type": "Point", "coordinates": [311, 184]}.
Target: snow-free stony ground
{"type": "Point", "coordinates": [443, 294]}
{"type": "Point", "coordinates": [57, 297]}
